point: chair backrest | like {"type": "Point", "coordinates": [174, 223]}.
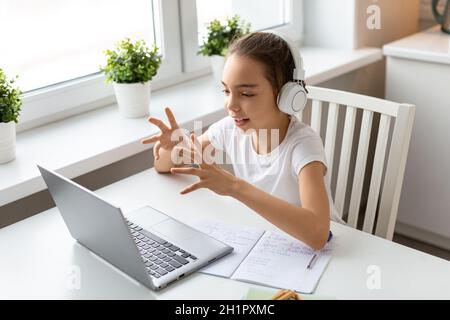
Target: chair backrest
{"type": "Point", "coordinates": [388, 160]}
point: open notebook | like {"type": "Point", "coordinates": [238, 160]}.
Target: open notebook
{"type": "Point", "coordinates": [266, 257]}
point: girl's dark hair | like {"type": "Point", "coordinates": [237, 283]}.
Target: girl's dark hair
{"type": "Point", "coordinates": [269, 49]}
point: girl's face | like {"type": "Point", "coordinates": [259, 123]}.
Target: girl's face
{"type": "Point", "coordinates": [249, 96]}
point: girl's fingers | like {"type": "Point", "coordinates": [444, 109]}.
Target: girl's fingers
{"type": "Point", "coordinates": [189, 154]}
{"type": "Point", "coordinates": [199, 157]}
{"type": "Point", "coordinates": [157, 147]}
{"type": "Point", "coordinates": [190, 171]}
{"type": "Point", "coordinates": [192, 187]}
{"type": "Point", "coordinates": [195, 141]}
{"type": "Point", "coordinates": [197, 148]}
{"type": "Point", "coordinates": [184, 154]}
{"type": "Point", "coordinates": [161, 125]}
{"type": "Point", "coordinates": [179, 149]}
{"type": "Point", "coordinates": [151, 139]}
{"type": "Point", "coordinates": [171, 117]}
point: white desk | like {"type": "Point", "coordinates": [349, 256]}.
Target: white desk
{"type": "Point", "coordinates": [37, 255]}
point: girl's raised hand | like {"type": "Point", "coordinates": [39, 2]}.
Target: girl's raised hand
{"type": "Point", "coordinates": [210, 174]}
{"type": "Point", "coordinates": [168, 137]}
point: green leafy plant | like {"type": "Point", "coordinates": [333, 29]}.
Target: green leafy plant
{"type": "Point", "coordinates": [220, 36]}
{"type": "Point", "coordinates": [131, 62]}
{"type": "Point", "coordinates": [10, 99]}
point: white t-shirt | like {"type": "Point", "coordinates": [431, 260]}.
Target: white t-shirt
{"type": "Point", "coordinates": [275, 172]}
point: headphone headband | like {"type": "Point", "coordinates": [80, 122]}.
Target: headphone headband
{"type": "Point", "coordinates": [299, 72]}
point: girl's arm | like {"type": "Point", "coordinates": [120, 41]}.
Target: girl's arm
{"type": "Point", "coordinates": [309, 223]}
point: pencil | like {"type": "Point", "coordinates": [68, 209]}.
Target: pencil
{"type": "Point", "coordinates": [286, 295]}
{"type": "Point", "coordinates": [279, 294]}
{"type": "Point", "coordinates": [311, 262]}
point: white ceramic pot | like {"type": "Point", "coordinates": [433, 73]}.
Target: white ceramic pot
{"type": "Point", "coordinates": [217, 63]}
{"type": "Point", "coordinates": [7, 141]}
{"type": "Point", "coordinates": [133, 99]}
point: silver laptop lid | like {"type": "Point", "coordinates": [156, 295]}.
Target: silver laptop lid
{"type": "Point", "coordinates": [96, 224]}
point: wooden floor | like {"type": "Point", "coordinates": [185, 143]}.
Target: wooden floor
{"type": "Point", "coordinates": [421, 246]}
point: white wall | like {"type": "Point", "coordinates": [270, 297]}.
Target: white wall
{"type": "Point", "coordinates": [399, 18]}
{"type": "Point", "coordinates": [343, 23]}
{"type": "Point", "coordinates": [330, 23]}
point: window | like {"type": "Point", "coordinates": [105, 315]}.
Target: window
{"type": "Point", "coordinates": [285, 15]}
{"type": "Point", "coordinates": [53, 41]}
{"type": "Point", "coordinates": [56, 47]}
{"type": "Point", "coordinates": [270, 13]}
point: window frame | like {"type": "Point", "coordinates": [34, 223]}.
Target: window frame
{"type": "Point", "coordinates": [188, 13]}
{"type": "Point", "coordinates": [181, 63]}
{"type": "Point", "coordinates": [58, 101]}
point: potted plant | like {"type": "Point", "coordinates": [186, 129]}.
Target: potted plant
{"type": "Point", "coordinates": [131, 67]}
{"type": "Point", "coordinates": [10, 104]}
{"type": "Point", "coordinates": [218, 39]}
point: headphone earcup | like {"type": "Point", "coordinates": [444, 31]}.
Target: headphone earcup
{"type": "Point", "coordinates": [292, 98]}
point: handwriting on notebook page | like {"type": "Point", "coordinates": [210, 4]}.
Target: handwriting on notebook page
{"type": "Point", "coordinates": [265, 257]}
{"type": "Point", "coordinates": [281, 261]}
{"type": "Point", "coordinates": [284, 245]}
{"type": "Point", "coordinates": [231, 235]}
{"type": "Point", "coordinates": [241, 239]}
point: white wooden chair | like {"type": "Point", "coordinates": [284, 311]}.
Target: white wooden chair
{"type": "Point", "coordinates": [395, 125]}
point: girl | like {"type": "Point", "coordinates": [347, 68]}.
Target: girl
{"type": "Point", "coordinates": [283, 182]}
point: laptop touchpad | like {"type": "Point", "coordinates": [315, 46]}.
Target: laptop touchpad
{"type": "Point", "coordinates": [175, 230]}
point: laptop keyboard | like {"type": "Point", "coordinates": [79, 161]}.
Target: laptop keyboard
{"type": "Point", "coordinates": [160, 256]}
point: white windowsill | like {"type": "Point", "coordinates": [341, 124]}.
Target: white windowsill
{"type": "Point", "coordinates": [86, 142]}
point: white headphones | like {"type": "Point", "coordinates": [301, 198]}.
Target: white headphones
{"type": "Point", "coordinates": [292, 97]}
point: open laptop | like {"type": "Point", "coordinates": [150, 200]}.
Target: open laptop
{"type": "Point", "coordinates": [149, 246]}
